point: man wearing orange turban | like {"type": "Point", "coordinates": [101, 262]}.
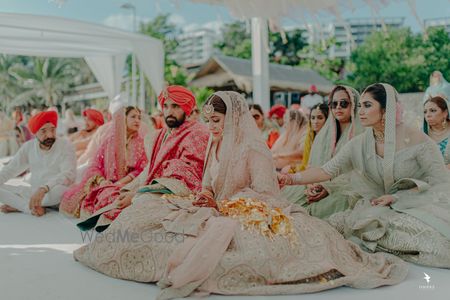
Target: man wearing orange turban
{"type": "Point", "coordinates": [93, 120]}
{"type": "Point", "coordinates": [178, 154]}
{"type": "Point", "coordinates": [52, 165]}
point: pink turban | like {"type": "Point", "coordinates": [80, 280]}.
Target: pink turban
{"type": "Point", "coordinates": [180, 95]}
{"type": "Point", "coordinates": [37, 121]}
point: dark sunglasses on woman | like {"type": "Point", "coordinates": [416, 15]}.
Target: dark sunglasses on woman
{"type": "Point", "coordinates": [342, 103]}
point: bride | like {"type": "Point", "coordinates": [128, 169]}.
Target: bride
{"type": "Point", "coordinates": [238, 236]}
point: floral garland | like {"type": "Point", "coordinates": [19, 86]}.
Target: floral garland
{"type": "Point", "coordinates": [256, 215]}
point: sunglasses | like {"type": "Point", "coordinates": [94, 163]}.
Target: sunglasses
{"type": "Point", "coordinates": [342, 103]}
{"type": "Point", "coordinates": [256, 117]}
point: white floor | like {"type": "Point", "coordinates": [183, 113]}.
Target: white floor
{"type": "Point", "coordinates": [36, 263]}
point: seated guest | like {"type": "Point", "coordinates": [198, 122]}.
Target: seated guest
{"type": "Point", "coordinates": [288, 149]}
{"type": "Point", "coordinates": [400, 180]}
{"type": "Point", "coordinates": [176, 157]}
{"type": "Point", "coordinates": [120, 158]}
{"type": "Point", "coordinates": [436, 124]}
{"type": "Point", "coordinates": [52, 164]}
{"type": "Point", "coordinates": [276, 115]}
{"type": "Point", "coordinates": [256, 244]}
{"type": "Point", "coordinates": [324, 199]}
{"type": "Point", "coordinates": [317, 119]}
{"type": "Point", "coordinates": [269, 134]}
{"type": "Point", "coordinates": [93, 120]}
{"type": "Point", "coordinates": [8, 142]}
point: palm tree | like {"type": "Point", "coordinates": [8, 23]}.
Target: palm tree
{"type": "Point", "coordinates": [9, 86]}
{"type": "Point", "coordinates": [45, 78]}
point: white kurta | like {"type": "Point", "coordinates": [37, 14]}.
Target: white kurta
{"type": "Point", "coordinates": [55, 168]}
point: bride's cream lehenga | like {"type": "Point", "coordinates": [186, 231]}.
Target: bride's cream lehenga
{"type": "Point", "coordinates": [190, 250]}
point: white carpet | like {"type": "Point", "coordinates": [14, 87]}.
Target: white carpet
{"type": "Point", "coordinates": [36, 263]}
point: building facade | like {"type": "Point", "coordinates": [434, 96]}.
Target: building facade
{"type": "Point", "coordinates": [195, 47]}
{"type": "Point", "coordinates": [349, 34]}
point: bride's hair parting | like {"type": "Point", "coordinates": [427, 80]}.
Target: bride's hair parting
{"type": "Point", "coordinates": [217, 103]}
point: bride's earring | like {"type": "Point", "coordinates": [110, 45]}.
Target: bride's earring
{"type": "Point", "coordinates": [383, 120]}
{"type": "Point", "coordinates": [444, 124]}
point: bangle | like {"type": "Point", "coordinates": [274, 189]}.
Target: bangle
{"type": "Point", "coordinates": [296, 178]}
{"type": "Point", "coordinates": [46, 188]}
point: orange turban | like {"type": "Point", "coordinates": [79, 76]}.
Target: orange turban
{"type": "Point", "coordinates": [180, 95]}
{"type": "Point", "coordinates": [277, 110]}
{"type": "Point", "coordinates": [37, 121]}
{"type": "Point", "coordinates": [94, 115]}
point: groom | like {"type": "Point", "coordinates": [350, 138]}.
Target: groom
{"type": "Point", "coordinates": [178, 152]}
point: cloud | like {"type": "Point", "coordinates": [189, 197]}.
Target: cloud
{"type": "Point", "coordinates": [124, 21]}
{"type": "Point", "coordinates": [177, 19]}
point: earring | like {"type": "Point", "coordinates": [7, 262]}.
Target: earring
{"type": "Point", "coordinates": [383, 120]}
{"type": "Point", "coordinates": [444, 124]}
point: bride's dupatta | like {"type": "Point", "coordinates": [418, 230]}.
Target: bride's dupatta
{"type": "Point", "coordinates": [240, 140]}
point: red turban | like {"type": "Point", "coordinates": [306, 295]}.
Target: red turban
{"type": "Point", "coordinates": [94, 115]}
{"type": "Point", "coordinates": [37, 121]}
{"type": "Point", "coordinates": [180, 95]}
{"type": "Point", "coordinates": [277, 110]}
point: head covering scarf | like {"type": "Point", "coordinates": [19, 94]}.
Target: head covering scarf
{"type": "Point", "coordinates": [309, 140]}
{"type": "Point", "coordinates": [278, 110]}
{"type": "Point", "coordinates": [397, 136]}
{"type": "Point", "coordinates": [295, 126]}
{"type": "Point", "coordinates": [240, 135]}
{"type": "Point", "coordinates": [441, 88]}
{"type": "Point", "coordinates": [326, 142]}
{"type": "Point", "coordinates": [37, 121]}
{"type": "Point", "coordinates": [94, 115]}
{"type": "Point", "coordinates": [180, 95]}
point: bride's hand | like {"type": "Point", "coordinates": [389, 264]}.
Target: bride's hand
{"type": "Point", "coordinates": [205, 199]}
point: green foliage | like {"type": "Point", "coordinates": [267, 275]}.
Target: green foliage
{"type": "Point", "coordinates": [401, 58]}
{"type": "Point", "coordinates": [236, 42]}
{"type": "Point", "coordinates": [201, 94]}
{"type": "Point", "coordinates": [162, 29]}
{"type": "Point", "coordinates": [38, 80]}
{"type": "Point", "coordinates": [285, 52]}
{"type": "Point", "coordinates": [316, 57]}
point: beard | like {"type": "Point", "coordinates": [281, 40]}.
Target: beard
{"type": "Point", "coordinates": [173, 122]}
{"type": "Point", "coordinates": [48, 142]}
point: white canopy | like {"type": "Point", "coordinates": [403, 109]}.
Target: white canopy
{"type": "Point", "coordinates": [259, 11]}
{"type": "Point", "coordinates": [104, 49]}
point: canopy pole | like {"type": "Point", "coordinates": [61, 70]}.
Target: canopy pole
{"type": "Point", "coordinates": [260, 63]}
{"type": "Point", "coordinates": [134, 80]}
{"type": "Point", "coordinates": [141, 90]}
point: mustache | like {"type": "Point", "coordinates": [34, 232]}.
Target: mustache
{"type": "Point", "coordinates": [48, 142]}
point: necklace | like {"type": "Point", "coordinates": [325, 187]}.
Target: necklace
{"type": "Point", "coordinates": [379, 136]}
{"type": "Point", "coordinates": [438, 134]}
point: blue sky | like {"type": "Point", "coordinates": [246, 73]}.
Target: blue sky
{"type": "Point", "coordinates": [191, 15]}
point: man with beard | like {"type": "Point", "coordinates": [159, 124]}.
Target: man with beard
{"type": "Point", "coordinates": [178, 151]}
{"type": "Point", "coordinates": [93, 120]}
{"type": "Point", "coordinates": [52, 165]}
